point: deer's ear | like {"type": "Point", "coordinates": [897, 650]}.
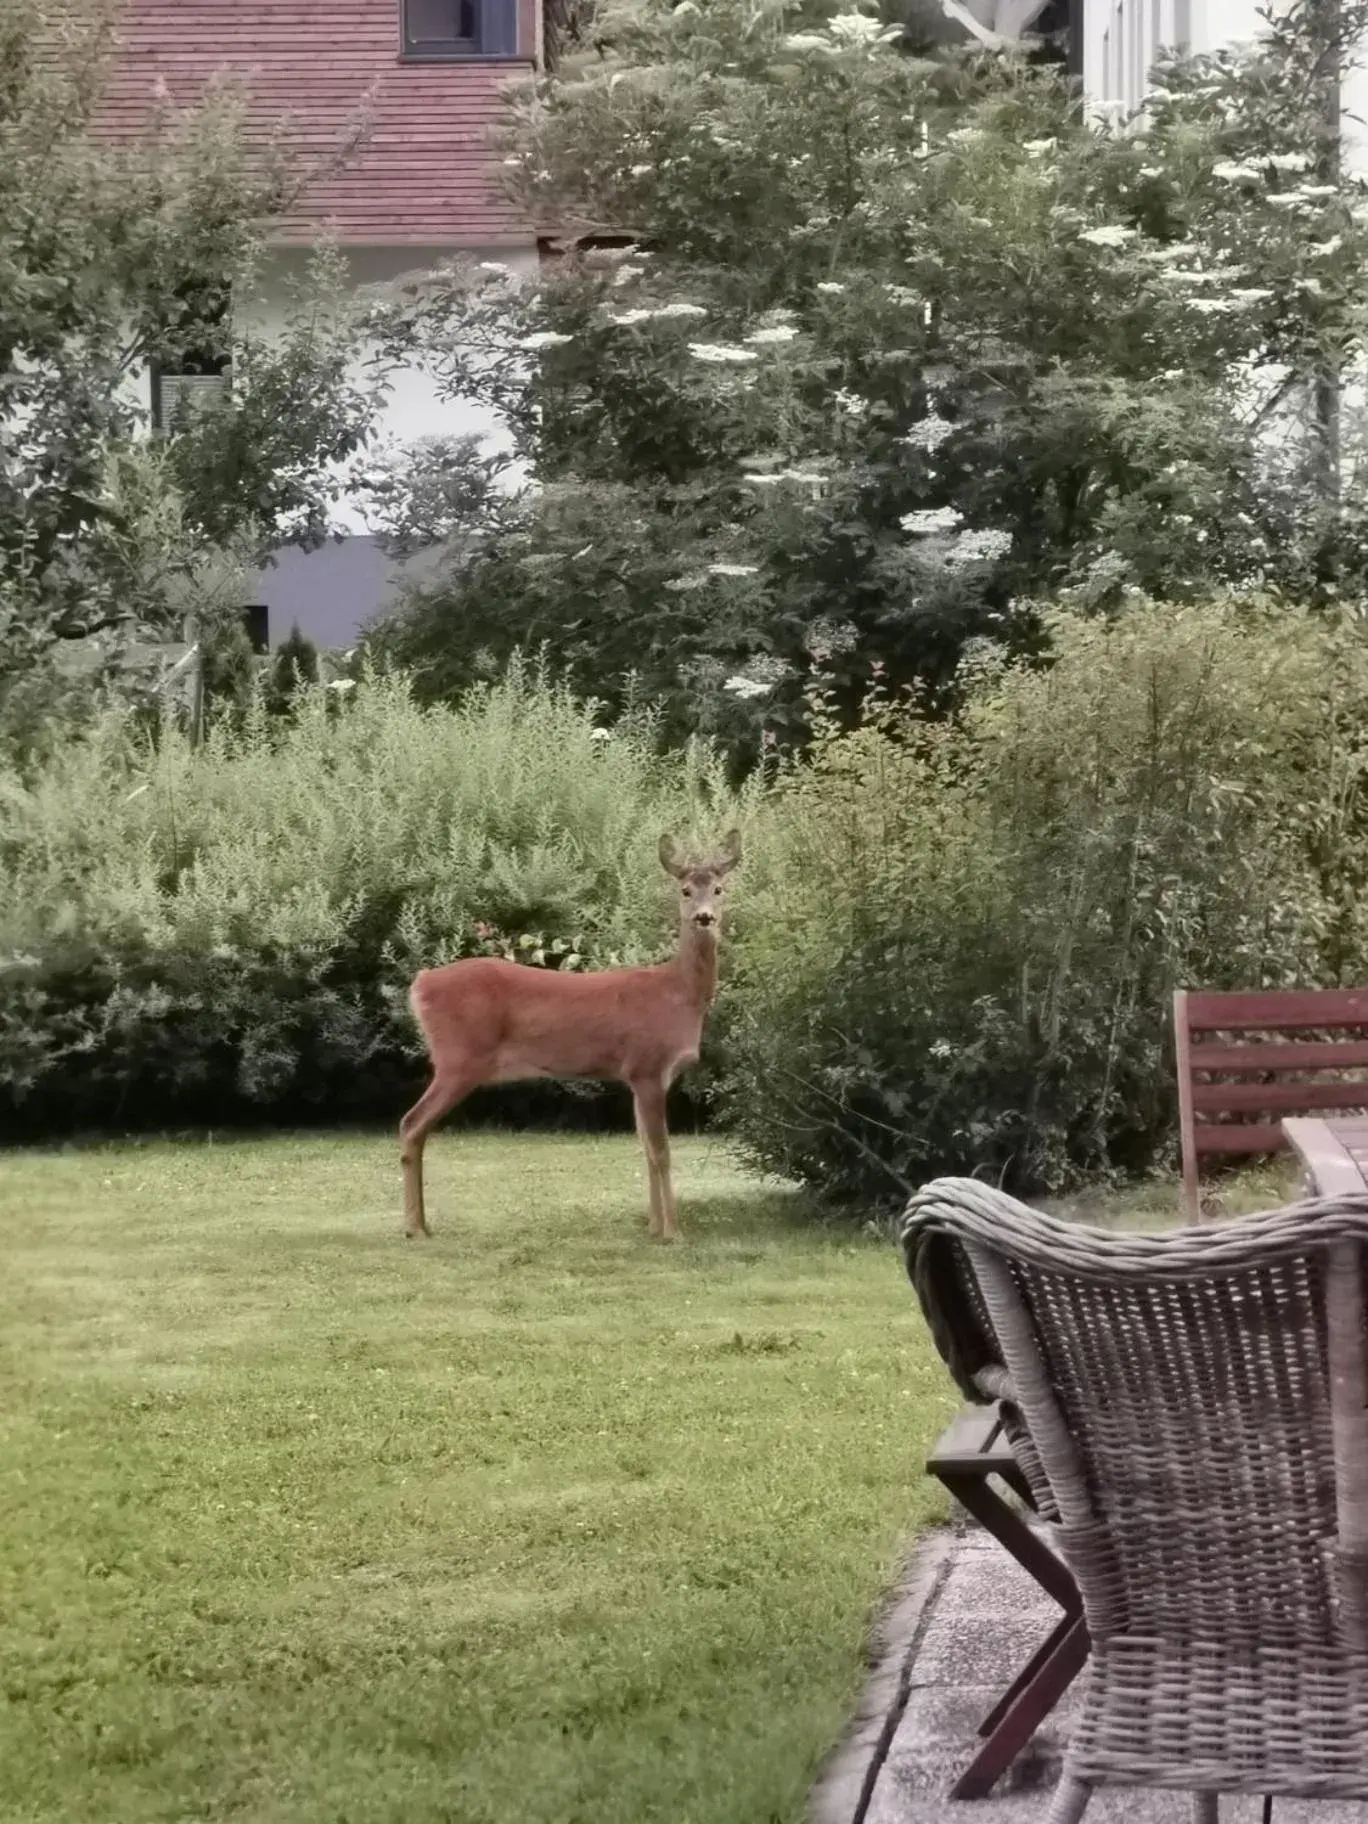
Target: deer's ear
{"type": "Point", "coordinates": [729, 855]}
{"type": "Point", "coordinates": [670, 858]}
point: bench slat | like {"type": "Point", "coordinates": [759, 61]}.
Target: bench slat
{"type": "Point", "coordinates": [1273, 1098]}
{"type": "Point", "coordinates": [1277, 1010]}
{"type": "Point", "coordinates": [1325, 1054]}
{"type": "Point", "coordinates": [1238, 1137]}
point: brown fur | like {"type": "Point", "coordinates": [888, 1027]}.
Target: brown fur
{"type": "Point", "coordinates": [490, 1021]}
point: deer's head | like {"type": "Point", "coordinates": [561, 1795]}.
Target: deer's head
{"type": "Point", "coordinates": [701, 885]}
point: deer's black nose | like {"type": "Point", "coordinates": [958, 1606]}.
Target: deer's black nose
{"type": "Point", "coordinates": [705, 918]}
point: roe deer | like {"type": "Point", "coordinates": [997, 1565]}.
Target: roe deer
{"type": "Point", "coordinates": [486, 1020]}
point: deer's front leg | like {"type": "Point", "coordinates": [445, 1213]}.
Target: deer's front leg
{"type": "Point", "coordinates": [649, 1101]}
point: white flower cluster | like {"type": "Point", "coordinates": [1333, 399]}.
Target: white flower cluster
{"type": "Point", "coordinates": [1111, 234]}
{"type": "Point", "coordinates": [928, 521]}
{"type": "Point", "coordinates": [850, 402]}
{"type": "Point", "coordinates": [733, 570]}
{"type": "Point", "coordinates": [980, 547]}
{"type": "Point", "coordinates": [648, 313]}
{"type": "Point", "coordinates": [855, 28]}
{"type": "Point", "coordinates": [806, 477]}
{"type": "Point", "coordinates": [745, 688]}
{"type": "Point", "coordinates": [847, 31]}
{"type": "Point", "coordinates": [929, 433]}
{"type": "Point", "coordinates": [762, 673]}
{"type": "Point", "coordinates": [544, 338]}
{"type": "Point", "coordinates": [720, 354]}
{"type": "Point", "coordinates": [830, 287]}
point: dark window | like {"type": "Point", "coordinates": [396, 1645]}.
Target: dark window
{"type": "Point", "coordinates": [257, 621]}
{"type": "Point", "coordinates": [460, 28]}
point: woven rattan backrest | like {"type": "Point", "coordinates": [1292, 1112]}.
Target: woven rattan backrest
{"type": "Point", "coordinates": [1178, 1392]}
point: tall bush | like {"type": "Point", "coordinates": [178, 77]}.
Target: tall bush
{"type": "Point", "coordinates": [191, 933]}
{"type": "Point", "coordinates": [962, 938]}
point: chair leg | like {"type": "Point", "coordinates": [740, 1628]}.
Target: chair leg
{"type": "Point", "coordinates": [1205, 1808]}
{"type": "Point", "coordinates": [1070, 1799]}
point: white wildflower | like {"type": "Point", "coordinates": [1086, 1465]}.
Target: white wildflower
{"type": "Point", "coordinates": [1314, 192]}
{"type": "Point", "coordinates": [1323, 249]}
{"type": "Point", "coordinates": [1251, 294]}
{"type": "Point", "coordinates": [719, 353]}
{"type": "Point", "coordinates": [1289, 161]}
{"type": "Point", "coordinates": [681, 310]}
{"type": "Point", "coordinates": [624, 319]}
{"type": "Point", "coordinates": [942, 1048]}
{"type": "Point", "coordinates": [1210, 307]}
{"type": "Point", "coordinates": [544, 338]}
{"type": "Point", "coordinates": [855, 28]}
{"type": "Point", "coordinates": [600, 734]}
{"type": "Point", "coordinates": [641, 170]}
{"type": "Point", "coordinates": [1232, 173]}
{"type": "Point", "coordinates": [807, 41]}
{"type": "Point", "coordinates": [342, 685]}
{"type": "Point", "coordinates": [1037, 148]}
{"type": "Point", "coordinates": [830, 286]}
{"type": "Point", "coordinates": [929, 520]}
{"type": "Point", "coordinates": [767, 481]}
{"type": "Point", "coordinates": [746, 688]}
{"type": "Point", "coordinates": [1111, 234]}
{"type": "Point", "coordinates": [930, 433]}
{"type": "Point", "coordinates": [978, 547]}
{"type": "Point", "coordinates": [682, 585]}
{"type": "Point", "coordinates": [733, 569]}
{"type": "Point", "coordinates": [850, 402]}
{"type": "Point", "coordinates": [494, 266]}
{"type": "Point", "coordinates": [776, 332]}
{"type": "Point", "coordinates": [1285, 199]}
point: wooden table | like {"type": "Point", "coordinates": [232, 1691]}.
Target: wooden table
{"type": "Point", "coordinates": [971, 1456]}
{"type": "Point", "coordinates": [1334, 1153]}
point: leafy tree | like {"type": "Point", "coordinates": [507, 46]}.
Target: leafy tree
{"type": "Point", "coordinates": [294, 668]}
{"type": "Point", "coordinates": [900, 345]}
{"type": "Point", "coordinates": [114, 254]}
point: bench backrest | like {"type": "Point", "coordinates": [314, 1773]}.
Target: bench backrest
{"type": "Point", "coordinates": [1247, 1059]}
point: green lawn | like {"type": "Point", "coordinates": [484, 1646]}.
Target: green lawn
{"type": "Point", "coordinates": [537, 1521]}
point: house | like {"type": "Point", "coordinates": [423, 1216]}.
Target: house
{"type": "Point", "coordinates": [1120, 40]}
{"type": "Point", "coordinates": [420, 187]}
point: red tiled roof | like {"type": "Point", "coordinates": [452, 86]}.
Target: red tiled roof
{"type": "Point", "coordinates": [423, 175]}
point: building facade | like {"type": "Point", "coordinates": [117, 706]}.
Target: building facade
{"type": "Point", "coordinates": [421, 80]}
{"type": "Point", "coordinates": [1120, 40]}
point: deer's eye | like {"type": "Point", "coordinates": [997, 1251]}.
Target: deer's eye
{"type": "Point", "coordinates": [688, 892]}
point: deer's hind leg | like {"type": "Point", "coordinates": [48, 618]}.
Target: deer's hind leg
{"type": "Point", "coordinates": [441, 1095]}
{"type": "Point", "coordinates": [649, 1101]}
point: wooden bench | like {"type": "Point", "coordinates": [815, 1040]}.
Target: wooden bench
{"type": "Point", "coordinates": [1247, 1059]}
{"type": "Point", "coordinates": [972, 1455]}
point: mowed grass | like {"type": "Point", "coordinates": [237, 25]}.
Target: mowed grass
{"type": "Point", "coordinates": [536, 1521]}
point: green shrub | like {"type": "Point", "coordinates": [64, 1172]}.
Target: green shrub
{"type": "Point", "coordinates": [961, 939]}
{"type": "Point", "coordinates": [192, 934]}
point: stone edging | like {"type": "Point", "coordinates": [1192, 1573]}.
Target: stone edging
{"type": "Point", "coordinates": [845, 1781]}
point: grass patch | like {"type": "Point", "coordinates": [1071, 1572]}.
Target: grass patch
{"type": "Point", "coordinates": [536, 1521]}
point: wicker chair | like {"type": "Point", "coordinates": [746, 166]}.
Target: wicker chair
{"type": "Point", "coordinates": [1199, 1403]}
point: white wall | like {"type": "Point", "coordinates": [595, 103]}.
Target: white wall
{"type": "Point", "coordinates": [330, 594]}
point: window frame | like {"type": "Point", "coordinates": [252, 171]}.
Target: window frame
{"type": "Point", "coordinates": [454, 50]}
